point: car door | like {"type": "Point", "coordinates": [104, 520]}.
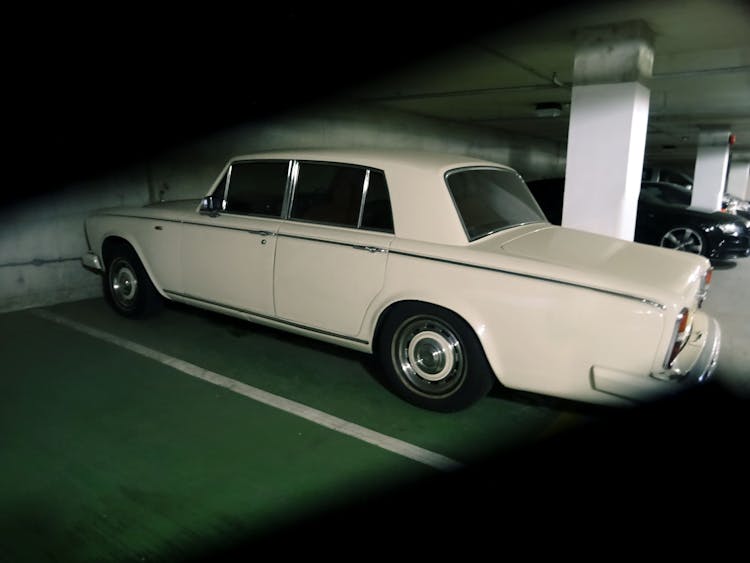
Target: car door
{"type": "Point", "coordinates": [228, 256]}
{"type": "Point", "coordinates": [331, 254]}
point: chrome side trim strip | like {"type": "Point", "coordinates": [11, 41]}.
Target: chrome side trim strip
{"type": "Point", "coordinates": [643, 300]}
{"type": "Point", "coordinates": [374, 249]}
{"type": "Point", "coordinates": [211, 225]}
{"type": "Point", "coordinates": [141, 217]}
{"type": "Point", "coordinates": [266, 317]}
{"type": "Point", "coordinates": [339, 243]}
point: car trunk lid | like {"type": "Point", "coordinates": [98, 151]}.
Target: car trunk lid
{"type": "Point", "coordinates": [601, 261]}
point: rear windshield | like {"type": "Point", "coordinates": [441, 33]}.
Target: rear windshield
{"type": "Point", "coordinates": [491, 199]}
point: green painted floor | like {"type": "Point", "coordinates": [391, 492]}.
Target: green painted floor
{"type": "Point", "coordinates": [110, 456]}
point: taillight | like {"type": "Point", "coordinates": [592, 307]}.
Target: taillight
{"type": "Point", "coordinates": [705, 284]}
{"type": "Point", "coordinates": [682, 329]}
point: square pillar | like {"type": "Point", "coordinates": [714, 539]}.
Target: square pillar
{"type": "Point", "coordinates": [607, 130]}
{"type": "Point", "coordinates": [738, 182]}
{"type": "Point", "coordinates": [606, 143]}
{"type": "Point", "coordinates": [709, 178]}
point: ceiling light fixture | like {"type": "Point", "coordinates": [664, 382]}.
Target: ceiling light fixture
{"type": "Point", "coordinates": [548, 109]}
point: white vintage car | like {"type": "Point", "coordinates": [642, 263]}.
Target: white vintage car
{"type": "Point", "coordinates": [441, 265]}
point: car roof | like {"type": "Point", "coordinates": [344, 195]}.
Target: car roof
{"type": "Point", "coordinates": [377, 158]}
{"type": "Point", "coordinates": [422, 207]}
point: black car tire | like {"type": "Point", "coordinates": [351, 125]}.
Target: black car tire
{"type": "Point", "coordinates": [127, 285]}
{"type": "Point", "coordinates": [432, 358]}
{"type": "Point", "coordinates": [685, 239]}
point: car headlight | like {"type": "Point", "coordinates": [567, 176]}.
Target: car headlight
{"type": "Point", "coordinates": [729, 228]}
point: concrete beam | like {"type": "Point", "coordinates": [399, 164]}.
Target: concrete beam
{"type": "Point", "coordinates": [615, 53]}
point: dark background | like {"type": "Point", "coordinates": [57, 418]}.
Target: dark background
{"type": "Point", "coordinates": [114, 88]}
{"type": "Point", "coordinates": [93, 90]}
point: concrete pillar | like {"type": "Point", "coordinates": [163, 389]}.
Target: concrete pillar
{"type": "Point", "coordinates": [738, 182]}
{"type": "Point", "coordinates": [607, 131]}
{"type": "Point", "coordinates": [709, 178]}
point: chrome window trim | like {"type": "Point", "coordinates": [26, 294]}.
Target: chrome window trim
{"type": "Point", "coordinates": [643, 300]}
{"type": "Point", "coordinates": [291, 186]}
{"type": "Point", "coordinates": [267, 317]}
{"type": "Point", "coordinates": [365, 186]}
{"type": "Point", "coordinates": [226, 187]}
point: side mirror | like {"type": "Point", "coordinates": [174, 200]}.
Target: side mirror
{"type": "Point", "coordinates": [211, 205]}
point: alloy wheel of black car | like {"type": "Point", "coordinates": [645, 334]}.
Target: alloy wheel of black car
{"type": "Point", "coordinates": [684, 239]}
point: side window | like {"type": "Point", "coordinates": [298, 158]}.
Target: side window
{"type": "Point", "coordinates": [676, 177]}
{"type": "Point", "coordinates": [257, 188]}
{"type": "Point", "coordinates": [328, 193]}
{"type": "Point", "coordinates": [377, 211]}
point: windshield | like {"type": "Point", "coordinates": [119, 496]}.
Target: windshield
{"type": "Point", "coordinates": [666, 193]}
{"type": "Point", "coordinates": [491, 199]}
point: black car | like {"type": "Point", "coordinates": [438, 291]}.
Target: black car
{"type": "Point", "coordinates": [665, 219]}
{"type": "Point", "coordinates": [729, 202]}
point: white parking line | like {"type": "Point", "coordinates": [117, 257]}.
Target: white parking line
{"type": "Point", "coordinates": [383, 441]}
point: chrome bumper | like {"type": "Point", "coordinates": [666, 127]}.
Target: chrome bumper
{"type": "Point", "coordinates": [705, 367]}
{"type": "Point", "coordinates": [695, 364]}
{"type": "Point", "coordinates": [91, 261]}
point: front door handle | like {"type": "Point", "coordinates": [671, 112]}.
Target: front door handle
{"type": "Point", "coordinates": [371, 249]}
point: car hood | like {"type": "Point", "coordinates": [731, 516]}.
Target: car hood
{"type": "Point", "coordinates": [696, 213]}
{"type": "Point", "coordinates": [609, 263]}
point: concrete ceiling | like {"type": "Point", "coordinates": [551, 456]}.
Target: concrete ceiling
{"type": "Point", "coordinates": [701, 74]}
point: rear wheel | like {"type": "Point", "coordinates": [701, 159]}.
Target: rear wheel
{"type": "Point", "coordinates": [684, 239]}
{"type": "Point", "coordinates": [127, 286]}
{"type": "Point", "coordinates": [432, 358]}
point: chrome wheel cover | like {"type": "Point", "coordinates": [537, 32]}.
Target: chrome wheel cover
{"type": "Point", "coordinates": [683, 239]}
{"type": "Point", "coordinates": [428, 356]}
{"type": "Point", "coordinates": [123, 284]}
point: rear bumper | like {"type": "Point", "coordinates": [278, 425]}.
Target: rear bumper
{"type": "Point", "coordinates": [708, 341]}
{"type": "Point", "coordinates": [695, 364]}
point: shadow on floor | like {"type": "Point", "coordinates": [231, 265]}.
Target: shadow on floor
{"type": "Point", "coordinates": [673, 462]}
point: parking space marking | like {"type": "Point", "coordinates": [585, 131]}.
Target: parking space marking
{"type": "Point", "coordinates": [329, 421]}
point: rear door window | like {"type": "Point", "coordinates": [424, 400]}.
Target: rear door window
{"type": "Point", "coordinates": [332, 194]}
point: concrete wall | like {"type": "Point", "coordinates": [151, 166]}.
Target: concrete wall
{"type": "Point", "coordinates": [42, 240]}
{"type": "Point", "coordinates": [188, 171]}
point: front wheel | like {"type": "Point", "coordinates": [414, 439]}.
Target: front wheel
{"type": "Point", "coordinates": [432, 358]}
{"type": "Point", "coordinates": [127, 285]}
{"type": "Point", "coordinates": [684, 239]}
